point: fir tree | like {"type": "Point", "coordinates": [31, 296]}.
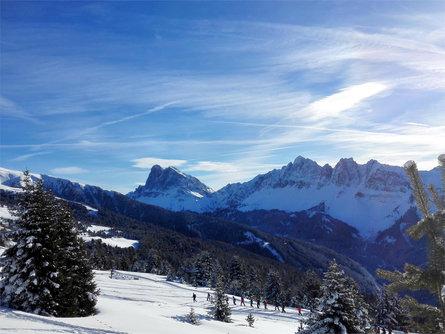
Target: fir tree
{"type": "Point", "coordinates": [202, 270]}
{"type": "Point", "coordinates": [250, 319]}
{"type": "Point", "coordinates": [191, 317]}
{"type": "Point", "coordinates": [308, 290]}
{"type": "Point", "coordinates": [389, 311]}
{"type": "Point", "coordinates": [221, 310]}
{"type": "Point", "coordinates": [272, 288]}
{"type": "Point", "coordinates": [46, 271]}
{"type": "Point", "coordinates": [432, 226]}
{"type": "Point", "coordinates": [338, 306]}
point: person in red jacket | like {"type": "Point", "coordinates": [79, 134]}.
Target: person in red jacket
{"type": "Point", "coordinates": [265, 304]}
{"type": "Point", "coordinates": [242, 301]}
{"type": "Point", "coordinates": [299, 310]}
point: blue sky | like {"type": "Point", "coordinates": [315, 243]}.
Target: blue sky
{"type": "Point", "coordinates": [98, 92]}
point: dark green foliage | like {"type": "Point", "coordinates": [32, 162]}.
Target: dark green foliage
{"type": "Point", "coordinates": [221, 310]}
{"type": "Point", "coordinates": [250, 319]}
{"type": "Point", "coordinates": [389, 311]}
{"type": "Point", "coordinates": [272, 289]}
{"type": "Point", "coordinates": [308, 290]}
{"type": "Point", "coordinates": [202, 270]}
{"type": "Point", "coordinates": [46, 271]}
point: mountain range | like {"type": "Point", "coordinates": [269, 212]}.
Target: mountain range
{"type": "Point", "coordinates": [109, 208]}
{"type": "Point", "coordinates": [302, 214]}
{"type": "Point", "coordinates": [359, 210]}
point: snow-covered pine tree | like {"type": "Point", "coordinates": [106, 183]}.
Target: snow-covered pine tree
{"type": "Point", "coordinates": [337, 306]}
{"type": "Point", "coordinates": [432, 226]}
{"type": "Point", "coordinates": [250, 319]}
{"type": "Point", "coordinates": [44, 270]}
{"type": "Point", "coordinates": [191, 317]}
{"type": "Point", "coordinates": [221, 310]}
{"type": "Point", "coordinates": [389, 311]}
{"type": "Point", "coordinates": [272, 288]}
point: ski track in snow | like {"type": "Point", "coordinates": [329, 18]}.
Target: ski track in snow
{"type": "Point", "coordinates": [146, 303]}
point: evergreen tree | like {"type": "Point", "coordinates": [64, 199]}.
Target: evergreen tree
{"type": "Point", "coordinates": [308, 290]}
{"type": "Point", "coordinates": [250, 319]}
{"type": "Point", "coordinates": [191, 317]}
{"type": "Point", "coordinates": [203, 268]}
{"type": "Point", "coordinates": [432, 226]}
{"type": "Point", "coordinates": [338, 306]}
{"type": "Point", "coordinates": [77, 295]}
{"type": "Point", "coordinates": [221, 310]}
{"type": "Point", "coordinates": [389, 311]}
{"type": "Point", "coordinates": [272, 288]}
{"type": "Point", "coordinates": [237, 278]}
{"type": "Point", "coordinates": [46, 270]}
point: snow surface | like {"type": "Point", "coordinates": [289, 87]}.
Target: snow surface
{"type": "Point", "coordinates": [98, 228]}
{"type": "Point", "coordinates": [5, 213]}
{"type": "Point", "coordinates": [113, 241]}
{"type": "Point", "coordinates": [147, 303]}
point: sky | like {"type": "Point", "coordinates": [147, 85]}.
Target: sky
{"type": "Point", "coordinates": [98, 92]}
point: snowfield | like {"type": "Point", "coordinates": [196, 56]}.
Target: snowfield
{"type": "Point", "coordinates": [147, 303]}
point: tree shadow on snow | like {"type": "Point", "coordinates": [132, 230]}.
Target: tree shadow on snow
{"type": "Point", "coordinates": [29, 317]}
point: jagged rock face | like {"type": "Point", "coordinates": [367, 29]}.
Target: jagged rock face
{"type": "Point", "coordinates": [171, 189]}
{"type": "Point", "coordinates": [369, 197]}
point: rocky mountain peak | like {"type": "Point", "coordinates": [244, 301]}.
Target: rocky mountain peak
{"type": "Point", "coordinates": [346, 172]}
{"type": "Point", "coordinates": [162, 179]}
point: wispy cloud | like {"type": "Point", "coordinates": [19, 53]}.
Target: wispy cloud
{"type": "Point", "coordinates": [27, 156]}
{"type": "Point", "coordinates": [150, 162]}
{"type": "Point", "coordinates": [68, 170]}
{"type": "Point", "coordinates": [348, 98]}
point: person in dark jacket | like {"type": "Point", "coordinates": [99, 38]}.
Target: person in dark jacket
{"type": "Point", "coordinates": [194, 297]}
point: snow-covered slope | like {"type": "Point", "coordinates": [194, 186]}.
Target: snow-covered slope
{"type": "Point", "coordinates": [146, 303]}
{"type": "Point", "coordinates": [369, 197]}
{"type": "Point", "coordinates": [171, 189]}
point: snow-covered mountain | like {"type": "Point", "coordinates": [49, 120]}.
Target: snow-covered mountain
{"type": "Point", "coordinates": [171, 189]}
{"type": "Point", "coordinates": [369, 197]}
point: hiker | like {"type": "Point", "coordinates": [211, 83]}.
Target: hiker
{"type": "Point", "coordinates": [242, 301]}
{"type": "Point", "coordinates": [208, 296]}
{"type": "Point", "coordinates": [378, 330]}
{"type": "Point", "coordinates": [194, 297]}
{"type": "Point", "coordinates": [258, 303]}
{"type": "Point", "coordinates": [389, 330]}
{"type": "Point", "coordinates": [251, 302]}
{"type": "Point", "coordinates": [383, 330]}
{"type": "Point", "coordinates": [299, 310]}
{"type": "Point", "coordinates": [227, 299]}
{"type": "Point", "coordinates": [282, 308]}
{"type": "Point", "coordinates": [234, 300]}
{"type": "Point", "coordinates": [405, 330]}
{"type": "Point", "coordinates": [265, 304]}
{"type": "Point", "coordinates": [276, 306]}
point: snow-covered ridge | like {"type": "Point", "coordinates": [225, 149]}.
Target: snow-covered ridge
{"type": "Point", "coordinates": [251, 238]}
{"type": "Point", "coordinates": [369, 197]}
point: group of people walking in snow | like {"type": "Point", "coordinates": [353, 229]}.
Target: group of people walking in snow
{"type": "Point", "coordinates": [234, 300]}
